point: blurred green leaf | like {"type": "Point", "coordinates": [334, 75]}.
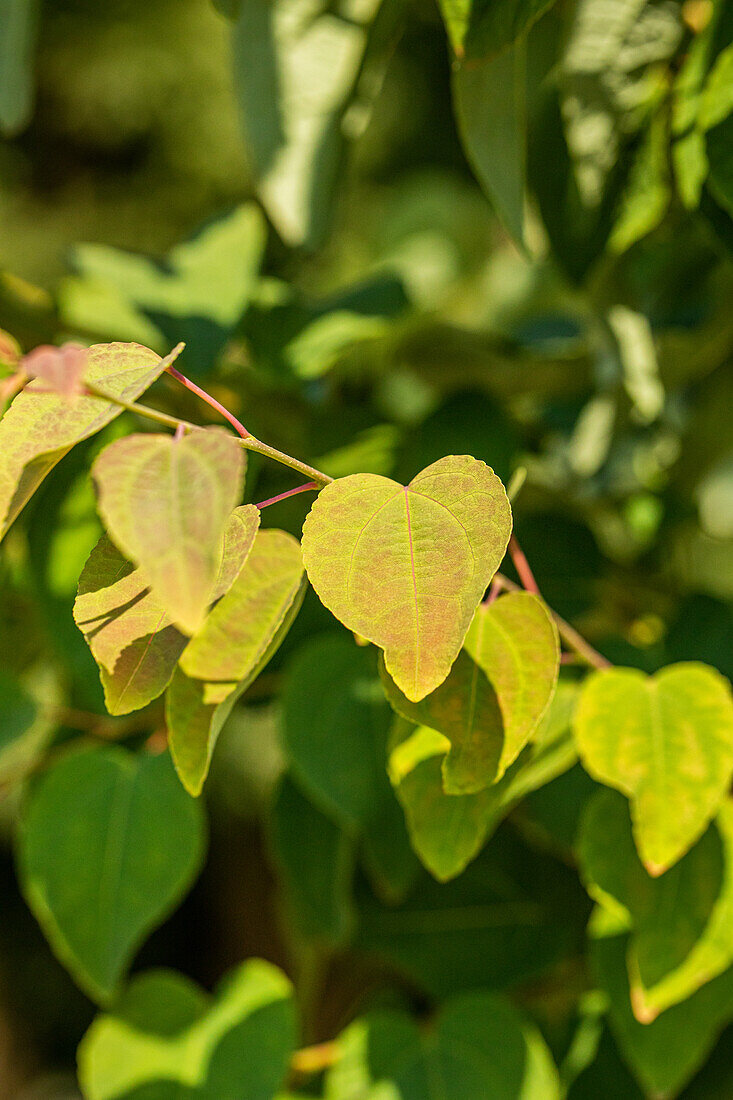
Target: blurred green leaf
{"type": "Point", "coordinates": [477, 1047]}
{"type": "Point", "coordinates": [664, 1054]}
{"type": "Point", "coordinates": [315, 859]}
{"type": "Point", "coordinates": [482, 28]}
{"type": "Point", "coordinates": [198, 294]}
{"type": "Point", "coordinates": [297, 68]}
{"type": "Point", "coordinates": [127, 844]}
{"type": "Point", "coordinates": [19, 22]}
{"type": "Point", "coordinates": [26, 727]}
{"type": "Point", "coordinates": [666, 743]}
{"type": "Point", "coordinates": [682, 922]}
{"type": "Point", "coordinates": [490, 105]}
{"type": "Point", "coordinates": [166, 1038]}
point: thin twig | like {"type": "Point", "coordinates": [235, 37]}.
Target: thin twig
{"type": "Point", "coordinates": [221, 409]}
{"type": "Point", "coordinates": [309, 485]}
{"type": "Point", "coordinates": [522, 566]}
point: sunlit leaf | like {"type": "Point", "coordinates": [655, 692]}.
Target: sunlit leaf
{"type": "Point", "coordinates": [294, 140]}
{"type": "Point", "coordinates": [131, 637]}
{"type": "Point", "coordinates": [405, 567]}
{"type": "Point", "coordinates": [478, 1047]}
{"type": "Point", "coordinates": [19, 22]}
{"type": "Point", "coordinates": [166, 503]}
{"type": "Point", "coordinates": [448, 830]}
{"type": "Point", "coordinates": [127, 843]}
{"type": "Point", "coordinates": [490, 104]}
{"type": "Point", "coordinates": [166, 1037]}
{"type": "Point", "coordinates": [239, 630]}
{"type": "Point", "coordinates": [682, 922]}
{"type": "Point", "coordinates": [666, 742]}
{"type": "Point", "coordinates": [40, 427]}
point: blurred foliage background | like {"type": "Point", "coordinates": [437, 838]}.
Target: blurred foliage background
{"type": "Point", "coordinates": [333, 220]}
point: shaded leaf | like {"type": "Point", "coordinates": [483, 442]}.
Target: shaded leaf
{"type": "Point", "coordinates": [405, 567]}
{"type": "Point", "coordinates": [40, 427]}
{"type": "Point", "coordinates": [477, 1047]}
{"type": "Point", "coordinates": [648, 190]}
{"type": "Point", "coordinates": [664, 1054]}
{"type": "Point", "coordinates": [167, 1038]}
{"type": "Point", "coordinates": [682, 922]}
{"type": "Point", "coordinates": [490, 101]}
{"type": "Point", "coordinates": [481, 28]}
{"type": "Point", "coordinates": [19, 22]}
{"type": "Point", "coordinates": [666, 742]}
{"type": "Point", "coordinates": [131, 637]}
{"type": "Point", "coordinates": [25, 728]}
{"type": "Point", "coordinates": [127, 844]}
{"type": "Point", "coordinates": [315, 862]}
{"type": "Point", "coordinates": [448, 830]}
{"type": "Point", "coordinates": [166, 503]}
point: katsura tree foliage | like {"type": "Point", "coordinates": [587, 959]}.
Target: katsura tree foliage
{"type": "Point", "coordinates": [426, 586]}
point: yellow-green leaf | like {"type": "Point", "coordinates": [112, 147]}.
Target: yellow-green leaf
{"type": "Point", "coordinates": [681, 923]}
{"type": "Point", "coordinates": [166, 503]}
{"type": "Point", "coordinates": [495, 698]}
{"type": "Point", "coordinates": [40, 427]}
{"type": "Point", "coordinates": [131, 637]}
{"type": "Point", "coordinates": [405, 566]}
{"type": "Point", "coordinates": [666, 742]}
{"type": "Point", "coordinates": [237, 640]}
{"type": "Point", "coordinates": [240, 628]}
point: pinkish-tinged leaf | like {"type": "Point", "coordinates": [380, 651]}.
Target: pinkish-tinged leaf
{"type": "Point", "coordinates": [166, 503]}
{"type": "Point", "coordinates": [61, 369]}
{"type": "Point", "coordinates": [131, 637]}
{"type": "Point", "coordinates": [405, 567]}
{"type": "Point", "coordinates": [40, 427]}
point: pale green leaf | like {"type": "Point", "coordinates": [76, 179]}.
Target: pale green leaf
{"type": "Point", "coordinates": [666, 742]}
{"type": "Point", "coordinates": [405, 567]}
{"type": "Point", "coordinates": [666, 1053]}
{"type": "Point", "coordinates": [681, 922]}
{"type": "Point", "coordinates": [39, 427]}
{"type": "Point", "coordinates": [448, 830]}
{"type": "Point", "coordinates": [294, 138]}
{"type": "Point", "coordinates": [131, 637]}
{"type": "Point", "coordinates": [490, 105]}
{"type": "Point", "coordinates": [18, 24]}
{"type": "Point", "coordinates": [478, 1047]}
{"type": "Point", "coordinates": [127, 844]}
{"type": "Point", "coordinates": [240, 628]}
{"type": "Point", "coordinates": [648, 190]}
{"type": "Point", "coordinates": [198, 294]}
{"type": "Point", "coordinates": [166, 503]}
{"type": "Point", "coordinates": [315, 864]}
{"type": "Point", "coordinates": [169, 1039]}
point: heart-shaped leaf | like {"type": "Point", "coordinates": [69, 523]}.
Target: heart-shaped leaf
{"type": "Point", "coordinates": [131, 637]}
{"type": "Point", "coordinates": [237, 640]}
{"type": "Point", "coordinates": [666, 742]}
{"type": "Point", "coordinates": [127, 844]}
{"type": "Point", "coordinates": [479, 1046]}
{"type": "Point", "coordinates": [166, 503]}
{"type": "Point", "coordinates": [494, 699]}
{"type": "Point", "coordinates": [405, 566]}
{"type": "Point", "coordinates": [40, 427]}
{"type": "Point", "coordinates": [168, 1039]}
{"type": "Point", "coordinates": [681, 923]}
